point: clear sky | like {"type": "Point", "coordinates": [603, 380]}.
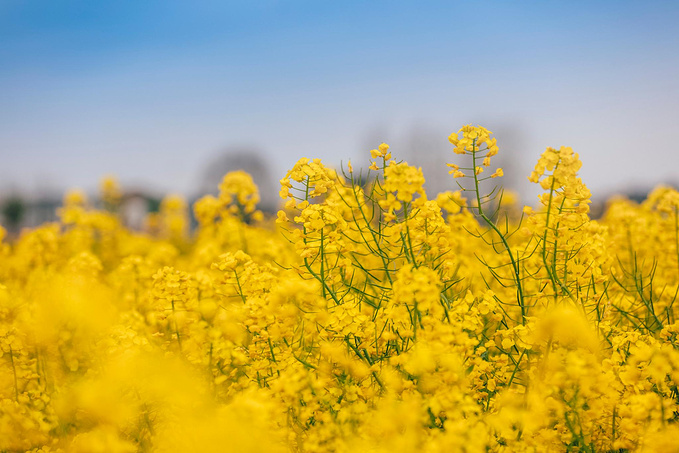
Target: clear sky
{"type": "Point", "coordinates": [152, 90]}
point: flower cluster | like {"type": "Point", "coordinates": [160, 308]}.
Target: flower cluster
{"type": "Point", "coordinates": [476, 141]}
{"type": "Point", "coordinates": [239, 192]}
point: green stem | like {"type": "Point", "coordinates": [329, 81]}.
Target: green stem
{"type": "Point", "coordinates": [14, 371]}
{"type": "Point", "coordinates": [176, 328]}
{"type": "Point", "coordinates": [503, 239]}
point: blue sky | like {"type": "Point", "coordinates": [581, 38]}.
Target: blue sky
{"type": "Point", "coordinates": [153, 90]}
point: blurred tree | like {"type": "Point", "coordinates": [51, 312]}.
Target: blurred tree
{"type": "Point", "coordinates": [13, 210]}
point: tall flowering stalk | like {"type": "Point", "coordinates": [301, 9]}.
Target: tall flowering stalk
{"type": "Point", "coordinates": [477, 142]}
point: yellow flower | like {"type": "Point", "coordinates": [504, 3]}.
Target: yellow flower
{"type": "Point", "coordinates": [472, 140]}
{"type": "Point", "coordinates": [109, 188]}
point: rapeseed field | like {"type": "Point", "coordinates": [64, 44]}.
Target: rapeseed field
{"type": "Point", "coordinates": [368, 316]}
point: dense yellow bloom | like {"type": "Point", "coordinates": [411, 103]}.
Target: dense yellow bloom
{"type": "Point", "coordinates": [238, 191]}
{"type": "Point", "coordinates": [473, 138]}
{"type": "Point", "coordinates": [402, 179]}
{"type": "Point", "coordinates": [362, 318]}
{"type": "Point", "coordinates": [317, 179]}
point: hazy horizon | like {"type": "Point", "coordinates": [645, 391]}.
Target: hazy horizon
{"type": "Point", "coordinates": [152, 92]}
